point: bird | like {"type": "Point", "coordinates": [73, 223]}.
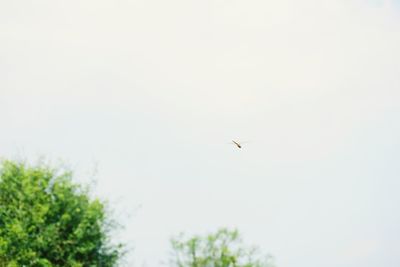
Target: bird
{"type": "Point", "coordinates": [237, 144]}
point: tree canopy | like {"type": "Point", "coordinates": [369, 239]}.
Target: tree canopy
{"type": "Point", "coordinates": [47, 220]}
{"type": "Point", "coordinates": [223, 248]}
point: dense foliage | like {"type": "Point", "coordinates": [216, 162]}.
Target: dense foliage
{"type": "Point", "coordinates": [221, 249]}
{"type": "Point", "coordinates": [46, 220]}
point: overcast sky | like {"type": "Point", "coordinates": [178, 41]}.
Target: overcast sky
{"type": "Point", "coordinates": [147, 94]}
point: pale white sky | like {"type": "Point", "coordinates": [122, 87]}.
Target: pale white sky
{"type": "Point", "coordinates": [151, 91]}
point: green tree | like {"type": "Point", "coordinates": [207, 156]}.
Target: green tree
{"type": "Point", "coordinates": [47, 220]}
{"type": "Point", "coordinates": [224, 248]}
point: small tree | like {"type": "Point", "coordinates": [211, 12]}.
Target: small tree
{"type": "Point", "coordinates": [46, 220]}
{"type": "Point", "coordinates": [221, 249]}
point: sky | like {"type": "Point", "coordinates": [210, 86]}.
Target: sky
{"type": "Point", "coordinates": [144, 97]}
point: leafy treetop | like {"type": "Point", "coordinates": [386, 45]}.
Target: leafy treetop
{"type": "Point", "coordinates": [223, 248]}
{"type": "Point", "coordinates": [46, 220]}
